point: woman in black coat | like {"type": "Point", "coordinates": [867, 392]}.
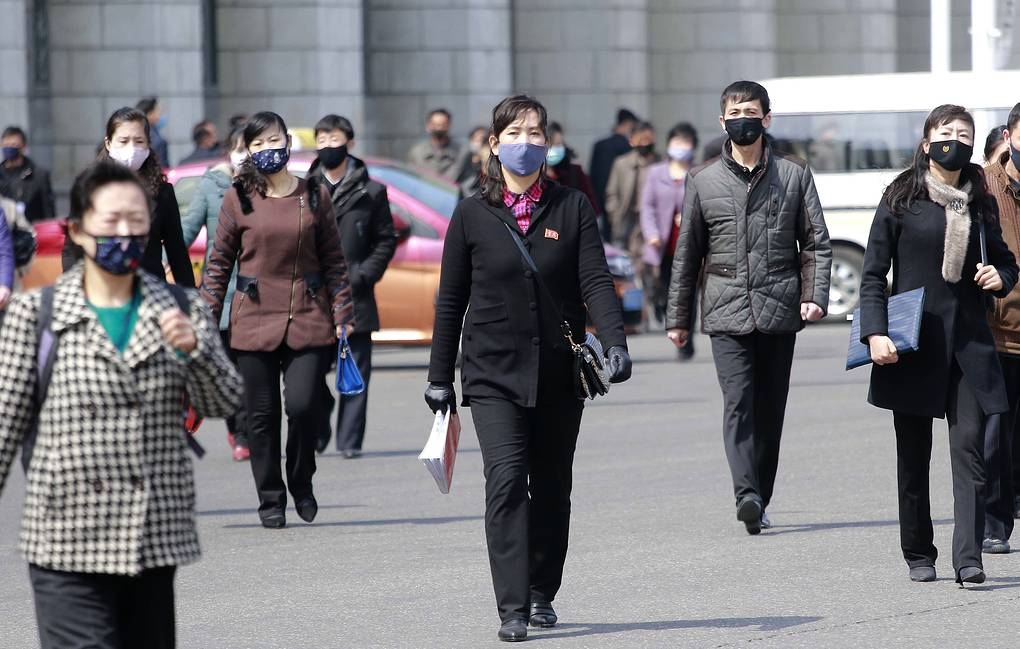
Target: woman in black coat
{"type": "Point", "coordinates": [127, 143]}
{"type": "Point", "coordinates": [929, 229]}
{"type": "Point", "coordinates": [517, 366]}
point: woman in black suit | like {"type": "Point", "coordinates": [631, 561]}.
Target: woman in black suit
{"type": "Point", "coordinates": [517, 367]}
{"type": "Point", "coordinates": [931, 221]}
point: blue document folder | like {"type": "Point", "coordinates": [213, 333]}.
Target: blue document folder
{"type": "Point", "coordinates": [904, 311]}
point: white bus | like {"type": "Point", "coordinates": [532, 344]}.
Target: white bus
{"type": "Point", "coordinates": [857, 132]}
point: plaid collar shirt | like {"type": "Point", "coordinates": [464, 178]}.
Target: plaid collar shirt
{"type": "Point", "coordinates": [523, 205]}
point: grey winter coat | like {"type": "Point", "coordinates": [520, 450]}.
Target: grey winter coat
{"type": "Point", "coordinates": [759, 237]}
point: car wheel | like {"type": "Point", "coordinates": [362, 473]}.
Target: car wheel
{"type": "Point", "coordinates": [845, 286]}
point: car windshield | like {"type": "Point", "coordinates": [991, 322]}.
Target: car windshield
{"type": "Point", "coordinates": [440, 197]}
{"type": "Point", "coordinates": [841, 142]}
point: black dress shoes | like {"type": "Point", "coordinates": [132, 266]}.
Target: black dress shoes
{"type": "Point", "coordinates": [749, 513]}
{"type": "Point", "coordinates": [922, 573]}
{"type": "Point", "coordinates": [274, 521]}
{"type": "Point", "coordinates": [971, 575]}
{"type": "Point", "coordinates": [542, 615]}
{"type": "Point", "coordinates": [514, 630]}
{"type": "Point", "coordinates": [307, 509]}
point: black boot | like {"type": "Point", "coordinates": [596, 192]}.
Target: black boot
{"type": "Point", "coordinates": [514, 630]}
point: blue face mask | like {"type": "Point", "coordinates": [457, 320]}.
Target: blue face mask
{"type": "Point", "coordinates": [10, 152]}
{"type": "Point", "coordinates": [522, 159]}
{"type": "Point", "coordinates": [269, 161]}
{"type": "Point", "coordinates": [120, 255]}
{"type": "Point", "coordinates": [161, 123]}
{"type": "Point", "coordinates": [680, 153]}
{"type": "Point", "coordinates": [555, 155]}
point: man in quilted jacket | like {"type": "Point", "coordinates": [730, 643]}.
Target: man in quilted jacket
{"type": "Point", "coordinates": [752, 225]}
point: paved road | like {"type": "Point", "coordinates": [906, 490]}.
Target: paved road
{"type": "Point", "coordinates": [657, 558]}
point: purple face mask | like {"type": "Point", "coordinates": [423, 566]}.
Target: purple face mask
{"type": "Point", "coordinates": [522, 159]}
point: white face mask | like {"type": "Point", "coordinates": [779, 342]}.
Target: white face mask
{"type": "Point", "coordinates": [131, 157]}
{"type": "Point", "coordinates": [237, 158]}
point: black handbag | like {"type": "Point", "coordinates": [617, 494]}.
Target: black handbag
{"type": "Point", "coordinates": [590, 376]}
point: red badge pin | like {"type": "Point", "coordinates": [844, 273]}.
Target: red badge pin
{"type": "Point", "coordinates": [552, 234]}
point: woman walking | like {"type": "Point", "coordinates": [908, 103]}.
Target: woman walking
{"type": "Point", "coordinates": [293, 299]}
{"type": "Point", "coordinates": [128, 143]}
{"type": "Point", "coordinates": [517, 366]}
{"type": "Point", "coordinates": [204, 211]}
{"type": "Point", "coordinates": [110, 503]}
{"type": "Point", "coordinates": [934, 221]}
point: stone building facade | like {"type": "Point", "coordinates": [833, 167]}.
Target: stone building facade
{"type": "Point", "coordinates": [66, 64]}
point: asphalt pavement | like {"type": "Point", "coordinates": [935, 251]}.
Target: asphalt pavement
{"type": "Point", "coordinates": [657, 558]}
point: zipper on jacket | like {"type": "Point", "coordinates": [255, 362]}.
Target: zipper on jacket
{"type": "Point", "coordinates": [747, 255]}
{"type": "Point", "coordinates": [297, 255]}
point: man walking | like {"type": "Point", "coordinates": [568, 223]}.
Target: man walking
{"type": "Point", "coordinates": [366, 231]}
{"type": "Point", "coordinates": [23, 180]}
{"type": "Point", "coordinates": [606, 151]}
{"type": "Point", "coordinates": [1001, 442]}
{"type": "Point", "coordinates": [752, 222]}
{"type": "Point", "coordinates": [437, 152]}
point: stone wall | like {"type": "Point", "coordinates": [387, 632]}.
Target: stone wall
{"type": "Point", "coordinates": [13, 63]}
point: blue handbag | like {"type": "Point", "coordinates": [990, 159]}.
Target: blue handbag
{"type": "Point", "coordinates": [348, 378]}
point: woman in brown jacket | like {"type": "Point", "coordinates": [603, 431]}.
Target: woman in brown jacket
{"type": "Point", "coordinates": [292, 301]}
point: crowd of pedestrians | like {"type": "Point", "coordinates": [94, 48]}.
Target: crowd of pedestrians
{"type": "Point", "coordinates": [737, 243]}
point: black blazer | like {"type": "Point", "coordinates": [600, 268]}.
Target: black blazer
{"type": "Point", "coordinates": [164, 233]}
{"type": "Point", "coordinates": [512, 346]}
{"type": "Point", "coordinates": [363, 216]}
{"type": "Point", "coordinates": [954, 323]}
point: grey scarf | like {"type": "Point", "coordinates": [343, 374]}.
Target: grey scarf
{"type": "Point", "coordinates": [957, 205]}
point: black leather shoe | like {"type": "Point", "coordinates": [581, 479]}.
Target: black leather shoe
{"type": "Point", "coordinates": [307, 509]}
{"type": "Point", "coordinates": [749, 513]}
{"type": "Point", "coordinates": [995, 546]}
{"type": "Point", "coordinates": [971, 575]}
{"type": "Point", "coordinates": [542, 615]}
{"type": "Point", "coordinates": [321, 443]}
{"type": "Point", "coordinates": [922, 573]}
{"type": "Point", "coordinates": [274, 521]}
{"type": "Point", "coordinates": [515, 630]}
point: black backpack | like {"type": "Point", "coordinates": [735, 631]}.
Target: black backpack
{"type": "Point", "coordinates": [46, 353]}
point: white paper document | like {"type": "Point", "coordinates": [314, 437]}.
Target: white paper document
{"type": "Point", "coordinates": [440, 451]}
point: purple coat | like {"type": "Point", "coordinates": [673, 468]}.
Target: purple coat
{"type": "Point", "coordinates": [6, 253]}
{"type": "Point", "coordinates": [661, 200]}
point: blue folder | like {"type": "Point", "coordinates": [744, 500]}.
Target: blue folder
{"type": "Point", "coordinates": [904, 311]}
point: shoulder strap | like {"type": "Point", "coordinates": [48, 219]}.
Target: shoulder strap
{"type": "Point", "coordinates": [530, 261]}
{"type": "Point", "coordinates": [46, 353]}
{"type": "Point", "coordinates": [181, 295]}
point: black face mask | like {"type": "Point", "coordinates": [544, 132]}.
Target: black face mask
{"type": "Point", "coordinates": [951, 155]}
{"type": "Point", "coordinates": [1014, 155]}
{"type": "Point", "coordinates": [645, 149]}
{"type": "Point", "coordinates": [333, 156]}
{"type": "Point", "coordinates": [439, 134]}
{"type": "Point", "coordinates": [744, 130]}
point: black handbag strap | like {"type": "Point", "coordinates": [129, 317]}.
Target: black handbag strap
{"type": "Point", "coordinates": [530, 261]}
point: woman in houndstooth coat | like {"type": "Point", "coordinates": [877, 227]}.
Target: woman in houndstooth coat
{"type": "Point", "coordinates": [110, 503]}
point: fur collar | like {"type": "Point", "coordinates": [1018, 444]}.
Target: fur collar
{"type": "Point", "coordinates": [957, 205]}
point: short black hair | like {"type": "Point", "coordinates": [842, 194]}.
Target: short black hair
{"type": "Point", "coordinates": [684, 130]}
{"type": "Point", "coordinates": [642, 126]}
{"type": "Point", "coordinates": [99, 174]}
{"type": "Point", "coordinates": [201, 130]}
{"type": "Point", "coordinates": [237, 120]}
{"type": "Point", "coordinates": [15, 130]}
{"type": "Point", "coordinates": [440, 111]}
{"type": "Point", "coordinates": [994, 139]}
{"type": "Point", "coordinates": [147, 104]}
{"type": "Point", "coordinates": [624, 115]}
{"type": "Point", "coordinates": [1013, 119]}
{"type": "Point", "coordinates": [333, 122]}
{"type": "Point", "coordinates": [554, 127]}
{"type": "Point", "coordinates": [740, 91]}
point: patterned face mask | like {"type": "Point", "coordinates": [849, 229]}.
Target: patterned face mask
{"type": "Point", "coordinates": [119, 255]}
{"type": "Point", "coordinates": [269, 161]}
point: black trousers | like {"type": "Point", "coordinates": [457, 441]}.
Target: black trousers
{"type": "Point", "coordinates": [913, 454]}
{"type": "Point", "coordinates": [93, 611]}
{"type": "Point", "coordinates": [237, 423]}
{"type": "Point", "coordinates": [302, 371]}
{"type": "Point", "coordinates": [527, 455]}
{"type": "Point", "coordinates": [353, 411]}
{"type": "Point", "coordinates": [1002, 459]}
{"type": "Point", "coordinates": [754, 374]}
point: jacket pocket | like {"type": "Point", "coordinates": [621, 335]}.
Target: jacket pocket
{"type": "Point", "coordinates": [248, 286]}
{"type": "Point", "coordinates": [489, 313]}
{"type": "Point", "coordinates": [313, 284]}
{"type": "Point", "coordinates": [782, 251]}
{"type": "Point", "coordinates": [722, 270]}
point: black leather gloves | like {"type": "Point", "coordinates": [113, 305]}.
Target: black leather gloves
{"type": "Point", "coordinates": [619, 364]}
{"type": "Point", "coordinates": [440, 396]}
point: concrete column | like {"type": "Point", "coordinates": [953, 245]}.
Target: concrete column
{"type": "Point", "coordinates": [300, 58]}
{"type": "Point", "coordinates": [14, 65]}
{"type": "Point", "coordinates": [104, 55]}
{"type": "Point", "coordinates": [425, 54]}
